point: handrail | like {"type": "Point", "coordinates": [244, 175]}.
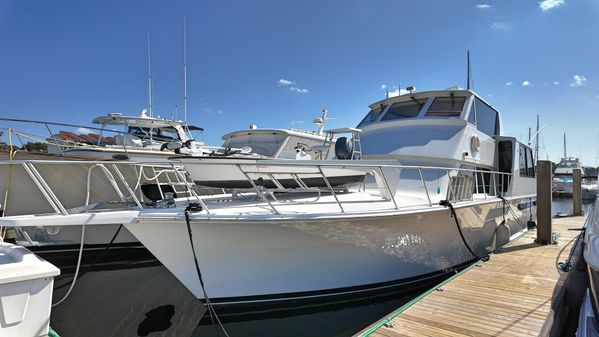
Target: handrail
{"type": "Point", "coordinates": [458, 187]}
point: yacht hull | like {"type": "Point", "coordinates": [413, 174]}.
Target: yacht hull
{"type": "Point", "coordinates": [266, 261]}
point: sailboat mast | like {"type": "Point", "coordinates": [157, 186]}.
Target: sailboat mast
{"type": "Point", "coordinates": [537, 141]}
{"type": "Point", "coordinates": [565, 154]}
{"type": "Point", "coordinates": [149, 80]}
{"type": "Point", "coordinates": [185, 67]}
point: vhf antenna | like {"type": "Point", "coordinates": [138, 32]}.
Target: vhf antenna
{"type": "Point", "coordinates": [149, 80]}
{"type": "Point", "coordinates": [468, 80]}
{"type": "Point", "coordinates": [185, 67]}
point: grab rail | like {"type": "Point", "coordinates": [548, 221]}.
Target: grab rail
{"type": "Point", "coordinates": [459, 183]}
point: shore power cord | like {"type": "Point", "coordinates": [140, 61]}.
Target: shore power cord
{"type": "Point", "coordinates": [448, 204]}
{"type": "Point", "coordinates": [193, 208]}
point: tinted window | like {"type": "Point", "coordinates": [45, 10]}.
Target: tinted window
{"type": "Point", "coordinates": [446, 107]}
{"type": "Point", "coordinates": [530, 165]}
{"type": "Point", "coordinates": [527, 166]}
{"type": "Point", "coordinates": [401, 110]}
{"type": "Point", "coordinates": [486, 118]}
{"type": "Point", "coordinates": [522, 159]}
{"type": "Point", "coordinates": [372, 116]}
{"type": "Point", "coordinates": [472, 115]}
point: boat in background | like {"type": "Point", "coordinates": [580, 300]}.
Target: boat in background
{"type": "Point", "coordinates": [563, 178]}
{"type": "Point", "coordinates": [260, 146]}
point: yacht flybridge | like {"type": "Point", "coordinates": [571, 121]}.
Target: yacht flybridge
{"type": "Point", "coordinates": [442, 186]}
{"type": "Point", "coordinates": [144, 138]}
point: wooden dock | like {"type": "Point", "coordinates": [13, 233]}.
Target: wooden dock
{"type": "Point", "coordinates": [510, 295]}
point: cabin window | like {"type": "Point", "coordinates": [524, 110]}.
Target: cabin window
{"type": "Point", "coordinates": [372, 116]}
{"type": "Point", "coordinates": [446, 107]}
{"type": "Point", "coordinates": [472, 114]}
{"type": "Point", "coordinates": [405, 109]}
{"type": "Point", "coordinates": [527, 167]}
{"type": "Point", "coordinates": [530, 163]}
{"type": "Point", "coordinates": [487, 120]}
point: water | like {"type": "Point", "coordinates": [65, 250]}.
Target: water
{"type": "Point", "coordinates": [336, 321]}
{"type": "Point", "coordinates": [564, 206]}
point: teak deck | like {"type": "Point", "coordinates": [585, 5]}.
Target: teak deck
{"type": "Point", "coordinates": [510, 295]}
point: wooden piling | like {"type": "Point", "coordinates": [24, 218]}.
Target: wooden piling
{"type": "Point", "coordinates": [544, 189]}
{"type": "Point", "coordinates": [577, 192]}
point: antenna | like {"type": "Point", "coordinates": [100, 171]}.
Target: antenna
{"type": "Point", "coordinates": [149, 80]}
{"type": "Point", "coordinates": [468, 70]}
{"type": "Point", "coordinates": [185, 67]}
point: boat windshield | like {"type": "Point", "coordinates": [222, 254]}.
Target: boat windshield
{"type": "Point", "coordinates": [153, 133]}
{"type": "Point", "coordinates": [446, 107]}
{"type": "Point", "coordinates": [266, 144]}
{"type": "Point", "coordinates": [372, 116]}
{"type": "Point", "coordinates": [569, 164]}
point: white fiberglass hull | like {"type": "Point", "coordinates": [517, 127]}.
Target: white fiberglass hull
{"type": "Point", "coordinates": [252, 262]}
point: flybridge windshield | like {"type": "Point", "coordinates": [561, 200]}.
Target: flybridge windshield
{"type": "Point", "coordinates": [156, 134]}
{"type": "Point", "coordinates": [264, 144]}
{"type": "Point", "coordinates": [569, 164]}
{"type": "Point", "coordinates": [446, 107]}
{"type": "Point", "coordinates": [372, 116]}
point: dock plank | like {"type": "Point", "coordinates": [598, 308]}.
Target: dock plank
{"type": "Point", "coordinates": [510, 295]}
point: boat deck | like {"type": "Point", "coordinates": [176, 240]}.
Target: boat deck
{"type": "Point", "coordinates": [510, 295]}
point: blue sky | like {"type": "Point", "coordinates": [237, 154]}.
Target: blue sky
{"type": "Point", "coordinates": [69, 61]}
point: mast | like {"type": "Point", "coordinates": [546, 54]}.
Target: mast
{"type": "Point", "coordinates": [185, 67]}
{"type": "Point", "coordinates": [149, 80]}
{"type": "Point", "coordinates": [565, 153]}
{"type": "Point", "coordinates": [537, 141]}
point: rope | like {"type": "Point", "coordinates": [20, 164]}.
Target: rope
{"type": "Point", "coordinates": [446, 203]}
{"type": "Point", "coordinates": [511, 212]}
{"type": "Point", "coordinates": [188, 210]}
{"type": "Point", "coordinates": [79, 257]}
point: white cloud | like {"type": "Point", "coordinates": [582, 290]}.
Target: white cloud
{"type": "Point", "coordinates": [509, 83]}
{"type": "Point", "coordinates": [83, 131]}
{"type": "Point", "coordinates": [578, 81]}
{"type": "Point", "coordinates": [483, 6]}
{"type": "Point", "coordinates": [300, 90]}
{"type": "Point", "coordinates": [499, 26]}
{"type": "Point", "coordinates": [546, 5]}
{"type": "Point", "coordinates": [212, 110]}
{"type": "Point", "coordinates": [285, 82]}
{"type": "Point", "coordinates": [526, 84]}
{"type": "Point", "coordinates": [398, 92]}
{"type": "Point", "coordinates": [383, 86]}
{"type": "Point", "coordinates": [555, 83]}
{"type": "Point", "coordinates": [298, 122]}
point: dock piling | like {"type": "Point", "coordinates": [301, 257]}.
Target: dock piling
{"type": "Point", "coordinates": [544, 184]}
{"type": "Point", "coordinates": [577, 192]}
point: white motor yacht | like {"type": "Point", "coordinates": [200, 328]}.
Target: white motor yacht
{"type": "Point", "coordinates": [443, 188]}
{"type": "Point", "coordinates": [563, 180]}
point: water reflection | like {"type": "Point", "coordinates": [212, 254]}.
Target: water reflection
{"type": "Point", "coordinates": [564, 206]}
{"type": "Point", "coordinates": [338, 321]}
